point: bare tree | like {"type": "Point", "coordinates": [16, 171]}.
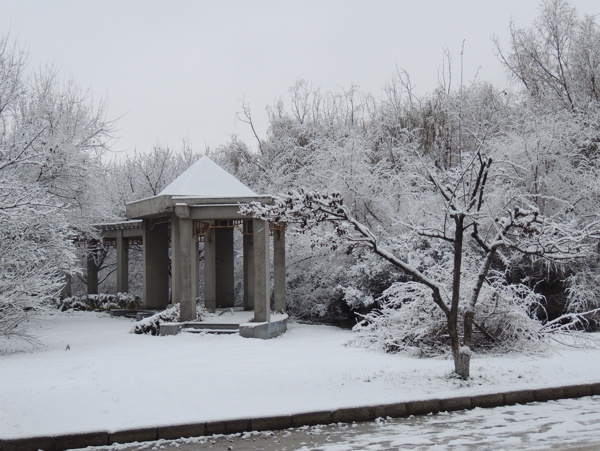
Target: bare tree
{"type": "Point", "coordinates": [146, 174]}
{"type": "Point", "coordinates": [557, 58]}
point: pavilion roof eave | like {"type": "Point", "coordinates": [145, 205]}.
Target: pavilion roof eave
{"type": "Point", "coordinates": [165, 204]}
{"type": "Point", "coordinates": [148, 207]}
{"type": "Point", "coordinates": [125, 229]}
{"type": "Point", "coordinates": [199, 200]}
{"type": "Point", "coordinates": [121, 225]}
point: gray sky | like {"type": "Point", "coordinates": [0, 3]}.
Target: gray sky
{"type": "Point", "coordinates": [178, 69]}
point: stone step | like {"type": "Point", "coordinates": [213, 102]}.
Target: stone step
{"type": "Point", "coordinates": [137, 314]}
{"type": "Point", "coordinates": [218, 326]}
{"type": "Point", "coordinates": [262, 330]}
{"type": "Point", "coordinates": [210, 331]}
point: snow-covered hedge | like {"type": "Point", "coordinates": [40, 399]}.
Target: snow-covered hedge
{"type": "Point", "coordinates": [98, 302]}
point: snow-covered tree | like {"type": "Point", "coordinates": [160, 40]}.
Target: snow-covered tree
{"type": "Point", "coordinates": [552, 138]}
{"type": "Point", "coordinates": [544, 144]}
{"type": "Point", "coordinates": [145, 174]}
{"type": "Point", "coordinates": [479, 229]}
{"type": "Point", "coordinates": [51, 141]}
{"type": "Point", "coordinates": [557, 59]}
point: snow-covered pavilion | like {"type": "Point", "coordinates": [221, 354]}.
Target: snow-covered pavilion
{"type": "Point", "coordinates": [202, 205]}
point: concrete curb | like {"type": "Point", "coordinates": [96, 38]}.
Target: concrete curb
{"type": "Point", "coordinates": [343, 415]}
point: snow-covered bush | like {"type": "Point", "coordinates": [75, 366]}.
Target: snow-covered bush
{"type": "Point", "coordinates": [366, 279]}
{"type": "Point", "coordinates": [33, 248]}
{"type": "Point", "coordinates": [326, 285]}
{"type": "Point", "coordinates": [151, 325]}
{"type": "Point", "coordinates": [98, 302]}
{"type": "Point", "coordinates": [583, 294]}
{"type": "Point", "coordinates": [507, 320]}
{"type": "Point", "coordinates": [312, 291]}
{"type": "Point", "coordinates": [408, 322]}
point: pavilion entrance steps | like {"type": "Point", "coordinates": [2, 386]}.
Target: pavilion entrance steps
{"type": "Point", "coordinates": [230, 321]}
{"type": "Point", "coordinates": [210, 328]}
{"type": "Point", "coordinates": [222, 321]}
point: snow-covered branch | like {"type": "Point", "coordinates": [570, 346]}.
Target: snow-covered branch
{"type": "Point", "coordinates": [306, 210]}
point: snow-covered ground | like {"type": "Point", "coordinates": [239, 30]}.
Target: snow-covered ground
{"type": "Point", "coordinates": [110, 379]}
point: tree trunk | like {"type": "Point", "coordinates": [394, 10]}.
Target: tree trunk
{"type": "Point", "coordinates": [468, 328]}
{"type": "Point", "coordinates": [460, 352]}
{"type": "Point", "coordinates": [462, 362]}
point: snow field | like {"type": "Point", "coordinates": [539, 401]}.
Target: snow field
{"type": "Point", "coordinates": [112, 380]}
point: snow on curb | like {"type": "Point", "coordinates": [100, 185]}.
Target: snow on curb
{"type": "Point", "coordinates": [345, 415]}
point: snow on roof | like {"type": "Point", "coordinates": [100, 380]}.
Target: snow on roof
{"type": "Point", "coordinates": [205, 178]}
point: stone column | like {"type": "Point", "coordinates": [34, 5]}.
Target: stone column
{"type": "Point", "coordinates": [262, 301]}
{"type": "Point", "coordinates": [279, 269]}
{"type": "Point", "coordinates": [187, 269]}
{"type": "Point", "coordinates": [175, 258]}
{"type": "Point", "coordinates": [92, 268]}
{"type": "Point", "coordinates": [194, 270]}
{"type": "Point", "coordinates": [224, 273]}
{"type": "Point", "coordinates": [248, 244]}
{"type": "Point", "coordinates": [156, 265]}
{"type": "Point", "coordinates": [210, 293]}
{"type": "Point", "coordinates": [122, 263]}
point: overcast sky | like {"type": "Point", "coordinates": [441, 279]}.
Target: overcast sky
{"type": "Point", "coordinates": [178, 69]}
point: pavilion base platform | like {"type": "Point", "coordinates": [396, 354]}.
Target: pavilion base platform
{"type": "Point", "coordinates": [264, 330]}
{"type": "Point", "coordinates": [231, 321]}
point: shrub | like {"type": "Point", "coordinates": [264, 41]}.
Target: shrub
{"type": "Point", "coordinates": [98, 302]}
{"type": "Point", "coordinates": [151, 325]}
{"type": "Point", "coordinates": [409, 322]}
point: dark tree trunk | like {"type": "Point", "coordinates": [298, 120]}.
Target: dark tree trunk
{"type": "Point", "coordinates": [460, 352]}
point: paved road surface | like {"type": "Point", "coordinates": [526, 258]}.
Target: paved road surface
{"type": "Point", "coordinates": [570, 424]}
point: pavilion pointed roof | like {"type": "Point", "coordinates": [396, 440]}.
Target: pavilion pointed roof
{"type": "Point", "coordinates": [205, 178]}
{"type": "Point", "coordinates": [203, 184]}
